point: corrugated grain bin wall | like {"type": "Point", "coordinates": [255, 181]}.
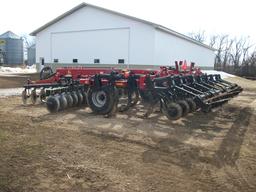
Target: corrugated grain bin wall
{"type": "Point", "coordinates": [32, 55]}
{"type": "Point", "coordinates": [13, 48]}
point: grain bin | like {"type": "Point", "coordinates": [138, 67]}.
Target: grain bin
{"type": "Point", "coordinates": [11, 49]}
{"type": "Point", "coordinates": [31, 54]}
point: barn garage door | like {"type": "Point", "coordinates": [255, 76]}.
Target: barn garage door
{"type": "Point", "coordinates": [108, 45]}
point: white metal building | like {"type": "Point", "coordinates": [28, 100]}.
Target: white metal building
{"type": "Point", "coordinates": [90, 35]}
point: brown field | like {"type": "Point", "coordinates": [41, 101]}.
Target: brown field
{"type": "Point", "coordinates": [75, 150]}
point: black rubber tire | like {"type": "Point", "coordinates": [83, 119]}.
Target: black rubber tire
{"type": "Point", "coordinates": [101, 100]}
{"type": "Point", "coordinates": [80, 98]}
{"type": "Point", "coordinates": [33, 97]}
{"type": "Point", "coordinates": [46, 72]}
{"type": "Point", "coordinates": [172, 111]}
{"type": "Point", "coordinates": [84, 103]}
{"type": "Point", "coordinates": [63, 101]}
{"type": "Point", "coordinates": [75, 98]}
{"type": "Point", "coordinates": [53, 104]}
{"type": "Point", "coordinates": [192, 104]}
{"type": "Point", "coordinates": [185, 107]}
{"type": "Point", "coordinates": [69, 99]}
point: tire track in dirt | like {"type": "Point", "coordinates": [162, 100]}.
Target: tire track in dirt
{"type": "Point", "coordinates": [227, 155]}
{"type": "Point", "coordinates": [229, 149]}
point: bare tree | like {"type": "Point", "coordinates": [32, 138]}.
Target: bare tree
{"type": "Point", "coordinates": [198, 36]}
{"type": "Point", "coordinates": [213, 40]}
{"type": "Point", "coordinates": [240, 51]}
{"type": "Point", "coordinates": [28, 42]}
{"type": "Point", "coordinates": [248, 67]}
{"type": "Point", "coordinates": [232, 54]}
{"type": "Point", "coordinates": [220, 47]}
{"type": "Point", "coordinates": [246, 50]}
{"type": "Point", "coordinates": [226, 52]}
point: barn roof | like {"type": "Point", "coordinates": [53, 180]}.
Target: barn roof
{"type": "Point", "coordinates": [157, 26]}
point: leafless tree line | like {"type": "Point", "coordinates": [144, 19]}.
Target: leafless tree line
{"type": "Point", "coordinates": [28, 41]}
{"type": "Point", "coordinates": [233, 55]}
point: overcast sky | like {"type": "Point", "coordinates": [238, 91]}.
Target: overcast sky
{"type": "Point", "coordinates": [235, 17]}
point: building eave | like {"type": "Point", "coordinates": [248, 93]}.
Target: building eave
{"type": "Point", "coordinates": [34, 33]}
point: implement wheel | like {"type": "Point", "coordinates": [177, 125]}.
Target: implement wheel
{"type": "Point", "coordinates": [80, 98]}
{"type": "Point", "coordinates": [101, 100]}
{"type": "Point", "coordinates": [84, 103]}
{"type": "Point", "coordinates": [185, 107]}
{"type": "Point", "coordinates": [53, 104]}
{"type": "Point", "coordinates": [33, 97]}
{"type": "Point", "coordinates": [46, 72]}
{"type": "Point", "coordinates": [75, 98]}
{"type": "Point", "coordinates": [42, 96]}
{"type": "Point", "coordinates": [172, 111]}
{"type": "Point", "coordinates": [63, 101]}
{"type": "Point", "coordinates": [69, 99]}
{"type": "Point", "coordinates": [24, 96]}
{"type": "Point", "coordinates": [192, 104]}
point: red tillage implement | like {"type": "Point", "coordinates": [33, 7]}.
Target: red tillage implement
{"type": "Point", "coordinates": [108, 90]}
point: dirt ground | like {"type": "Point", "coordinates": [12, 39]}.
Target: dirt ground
{"type": "Point", "coordinates": [75, 150]}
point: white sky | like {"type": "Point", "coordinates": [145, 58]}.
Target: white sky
{"type": "Point", "coordinates": [235, 17]}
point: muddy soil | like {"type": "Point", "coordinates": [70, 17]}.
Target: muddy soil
{"type": "Point", "coordinates": [75, 150]}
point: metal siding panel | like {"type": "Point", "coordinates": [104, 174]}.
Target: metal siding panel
{"type": "Point", "coordinates": [141, 36]}
{"type": "Point", "coordinates": [108, 45]}
{"type": "Point", "coordinates": [169, 48]}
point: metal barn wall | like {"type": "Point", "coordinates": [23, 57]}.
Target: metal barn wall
{"type": "Point", "coordinates": [88, 45]}
{"type": "Point", "coordinates": [169, 48]}
{"type": "Point", "coordinates": [75, 35]}
{"type": "Point", "coordinates": [90, 33]}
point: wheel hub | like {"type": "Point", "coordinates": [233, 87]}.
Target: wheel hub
{"type": "Point", "coordinates": [99, 98]}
